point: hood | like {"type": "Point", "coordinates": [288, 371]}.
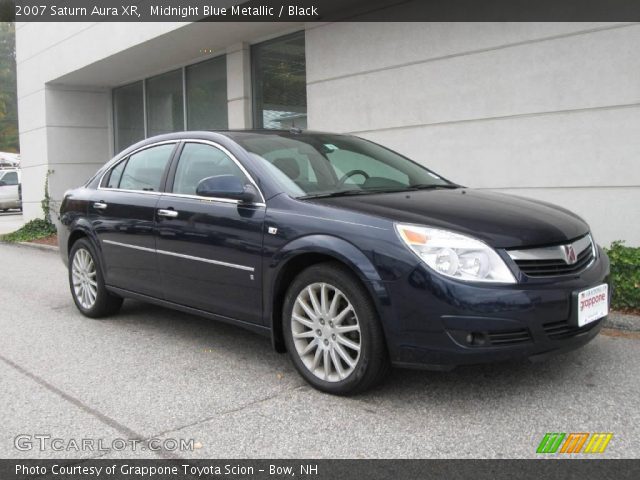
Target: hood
{"type": "Point", "coordinates": [502, 221]}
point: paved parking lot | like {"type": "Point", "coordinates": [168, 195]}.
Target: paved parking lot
{"type": "Point", "coordinates": [154, 373]}
{"type": "Point", "coordinates": [10, 221]}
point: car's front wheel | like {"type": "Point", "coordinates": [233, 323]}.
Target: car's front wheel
{"type": "Point", "coordinates": [87, 284]}
{"type": "Point", "coordinates": [332, 331]}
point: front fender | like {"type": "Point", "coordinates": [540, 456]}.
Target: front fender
{"type": "Point", "coordinates": [330, 246]}
{"type": "Point", "coordinates": [336, 247]}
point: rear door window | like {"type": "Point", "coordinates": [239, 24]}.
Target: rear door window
{"type": "Point", "coordinates": [144, 170]}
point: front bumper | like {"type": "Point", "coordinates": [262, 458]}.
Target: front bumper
{"type": "Point", "coordinates": [438, 323]}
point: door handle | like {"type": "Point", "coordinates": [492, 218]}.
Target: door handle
{"type": "Point", "coordinates": [167, 213]}
{"type": "Point", "coordinates": [100, 206]}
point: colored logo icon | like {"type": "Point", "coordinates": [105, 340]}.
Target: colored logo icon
{"type": "Point", "coordinates": [574, 443]}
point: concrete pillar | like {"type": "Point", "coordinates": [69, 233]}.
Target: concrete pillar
{"type": "Point", "coordinates": [33, 150]}
{"type": "Point", "coordinates": [71, 143]}
{"type": "Point", "coordinates": [78, 138]}
{"type": "Point", "coordinates": [239, 86]}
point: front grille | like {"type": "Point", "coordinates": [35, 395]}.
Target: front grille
{"type": "Point", "coordinates": [509, 337]}
{"type": "Point", "coordinates": [545, 268]}
{"type": "Point", "coordinates": [562, 329]}
{"type": "Point", "coordinates": [555, 260]}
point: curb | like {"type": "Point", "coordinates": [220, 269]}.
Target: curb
{"type": "Point", "coordinates": [39, 246]}
{"type": "Point", "coordinates": [623, 321]}
{"type": "Point", "coordinates": [36, 246]}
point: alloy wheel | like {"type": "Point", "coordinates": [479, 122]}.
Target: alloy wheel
{"type": "Point", "coordinates": [326, 332]}
{"type": "Point", "coordinates": [84, 276]}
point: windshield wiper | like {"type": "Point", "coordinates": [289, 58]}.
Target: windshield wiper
{"type": "Point", "coordinates": [358, 191]}
{"type": "Point", "coordinates": [427, 186]}
{"type": "Point", "coordinates": [346, 193]}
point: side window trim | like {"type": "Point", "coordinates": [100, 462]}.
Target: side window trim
{"type": "Point", "coordinates": [107, 174]}
{"type": "Point", "coordinates": [171, 172]}
{"type": "Point", "coordinates": [172, 185]}
{"type": "Point", "coordinates": [168, 178]}
{"type": "Point", "coordinates": [174, 166]}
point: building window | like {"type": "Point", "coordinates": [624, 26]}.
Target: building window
{"type": "Point", "coordinates": [207, 95]}
{"type": "Point", "coordinates": [206, 103]}
{"type": "Point", "coordinates": [128, 115]}
{"type": "Point", "coordinates": [280, 83]}
{"type": "Point", "coordinates": [165, 107]}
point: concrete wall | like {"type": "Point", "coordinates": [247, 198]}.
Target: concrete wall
{"type": "Point", "coordinates": [549, 111]}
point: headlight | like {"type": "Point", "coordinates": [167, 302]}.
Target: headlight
{"type": "Point", "coordinates": [455, 255]}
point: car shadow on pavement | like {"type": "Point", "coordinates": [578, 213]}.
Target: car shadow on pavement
{"type": "Point", "coordinates": [471, 382]}
{"type": "Point", "coordinates": [200, 334]}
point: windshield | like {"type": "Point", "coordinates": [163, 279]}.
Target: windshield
{"type": "Point", "coordinates": [331, 165]}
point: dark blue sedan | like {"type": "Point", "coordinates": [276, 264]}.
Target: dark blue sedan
{"type": "Point", "coordinates": [349, 256]}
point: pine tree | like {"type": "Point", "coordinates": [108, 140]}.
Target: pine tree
{"type": "Point", "coordinates": [8, 89]}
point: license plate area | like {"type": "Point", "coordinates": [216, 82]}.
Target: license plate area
{"type": "Point", "coordinates": [590, 304]}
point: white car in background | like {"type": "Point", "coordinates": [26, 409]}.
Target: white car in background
{"type": "Point", "coordinates": [10, 189]}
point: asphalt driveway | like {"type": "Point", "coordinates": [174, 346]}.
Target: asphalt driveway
{"type": "Point", "coordinates": [10, 221]}
{"type": "Point", "coordinates": [154, 373]}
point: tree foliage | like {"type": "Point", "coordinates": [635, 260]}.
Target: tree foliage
{"type": "Point", "coordinates": [8, 89]}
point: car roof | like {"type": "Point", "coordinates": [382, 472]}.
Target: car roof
{"type": "Point", "coordinates": [240, 133]}
{"type": "Point", "coordinates": [233, 135]}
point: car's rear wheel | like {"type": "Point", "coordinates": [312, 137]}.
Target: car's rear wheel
{"type": "Point", "coordinates": [87, 284]}
{"type": "Point", "coordinates": [332, 331]}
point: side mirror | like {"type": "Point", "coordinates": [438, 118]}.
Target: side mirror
{"type": "Point", "coordinates": [226, 186]}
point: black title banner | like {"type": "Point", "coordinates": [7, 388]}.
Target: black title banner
{"type": "Point", "coordinates": [317, 10]}
{"type": "Point", "coordinates": [318, 469]}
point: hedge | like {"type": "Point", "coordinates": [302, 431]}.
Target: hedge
{"type": "Point", "coordinates": [625, 276]}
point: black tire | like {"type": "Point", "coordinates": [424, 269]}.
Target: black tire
{"type": "Point", "coordinates": [373, 363]}
{"type": "Point", "coordinates": [106, 303]}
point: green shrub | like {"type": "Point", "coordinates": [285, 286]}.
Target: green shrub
{"type": "Point", "coordinates": [32, 230]}
{"type": "Point", "coordinates": [625, 276]}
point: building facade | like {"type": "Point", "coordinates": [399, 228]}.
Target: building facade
{"type": "Point", "coordinates": [543, 110]}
